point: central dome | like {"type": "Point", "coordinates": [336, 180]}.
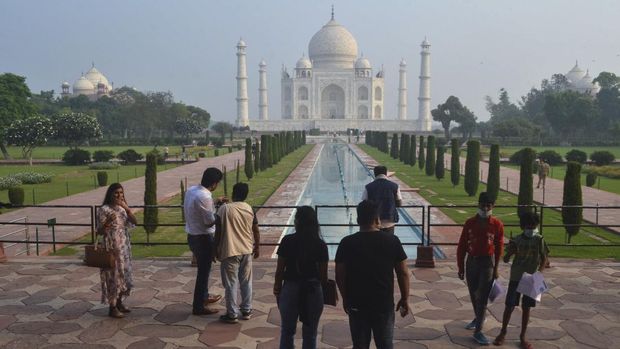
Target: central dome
{"type": "Point", "coordinates": [333, 47]}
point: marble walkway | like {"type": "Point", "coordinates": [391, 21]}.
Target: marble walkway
{"type": "Point", "coordinates": [55, 303]}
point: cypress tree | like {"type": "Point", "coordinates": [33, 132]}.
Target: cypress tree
{"type": "Point", "coordinates": [368, 138]}
{"type": "Point", "coordinates": [526, 181]}
{"type": "Point", "coordinates": [493, 175]}
{"type": "Point", "coordinates": [264, 154]}
{"type": "Point", "coordinates": [401, 148]}
{"type": "Point", "coordinates": [472, 168]}
{"type": "Point", "coordinates": [237, 175]}
{"type": "Point", "coordinates": [257, 157]}
{"type": "Point", "coordinates": [150, 193]}
{"type": "Point", "coordinates": [303, 137]}
{"type": "Point", "coordinates": [421, 158]}
{"type": "Point", "coordinates": [412, 152]}
{"type": "Point", "coordinates": [182, 201]}
{"type": "Point", "coordinates": [406, 148]}
{"type": "Point", "coordinates": [440, 170]}
{"type": "Point", "coordinates": [274, 149]}
{"type": "Point", "coordinates": [430, 156]}
{"type": "Point", "coordinates": [455, 162]}
{"type": "Point", "coordinates": [394, 147]}
{"type": "Point", "coordinates": [572, 197]}
{"type": "Point", "coordinates": [225, 181]}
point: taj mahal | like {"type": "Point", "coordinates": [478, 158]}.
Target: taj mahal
{"type": "Point", "coordinates": [333, 89]}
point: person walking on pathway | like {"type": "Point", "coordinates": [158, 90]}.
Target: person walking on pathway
{"type": "Point", "coordinates": [199, 211]}
{"type": "Point", "coordinates": [237, 240]}
{"type": "Point", "coordinates": [301, 272]}
{"type": "Point", "coordinates": [114, 221]}
{"type": "Point", "coordinates": [387, 195]}
{"type": "Point", "coordinates": [482, 240]}
{"type": "Point", "coordinates": [530, 255]}
{"type": "Point", "coordinates": [543, 172]}
{"type": "Point", "coordinates": [365, 266]}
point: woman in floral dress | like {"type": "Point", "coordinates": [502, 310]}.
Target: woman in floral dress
{"type": "Point", "coordinates": [114, 218]}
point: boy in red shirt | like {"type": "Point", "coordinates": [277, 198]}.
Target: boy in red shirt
{"type": "Point", "coordinates": [482, 240]}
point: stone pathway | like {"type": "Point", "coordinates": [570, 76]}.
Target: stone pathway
{"type": "Point", "coordinates": [55, 303]}
{"type": "Point", "coordinates": [168, 185]}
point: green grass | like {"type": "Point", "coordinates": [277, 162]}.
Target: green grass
{"type": "Point", "coordinates": [262, 186]}
{"type": "Point", "coordinates": [506, 151]}
{"type": "Point", "coordinates": [611, 185]}
{"type": "Point", "coordinates": [68, 180]}
{"type": "Point", "coordinates": [55, 153]}
{"type": "Point", "coordinates": [443, 193]}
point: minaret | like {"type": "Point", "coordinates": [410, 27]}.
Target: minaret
{"type": "Point", "coordinates": [242, 86]}
{"type": "Point", "coordinates": [263, 102]}
{"type": "Point", "coordinates": [402, 91]}
{"type": "Point", "coordinates": [424, 100]}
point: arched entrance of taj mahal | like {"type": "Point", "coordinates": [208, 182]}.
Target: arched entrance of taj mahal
{"type": "Point", "coordinates": [332, 102]}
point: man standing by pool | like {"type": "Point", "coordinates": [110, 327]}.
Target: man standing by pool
{"type": "Point", "coordinates": [482, 240]}
{"type": "Point", "coordinates": [387, 195]}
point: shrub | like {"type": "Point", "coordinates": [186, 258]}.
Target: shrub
{"type": "Point", "coordinates": [551, 157]}
{"type": "Point", "coordinates": [603, 171]}
{"type": "Point", "coordinates": [202, 154]}
{"type": "Point", "coordinates": [76, 157]}
{"type": "Point", "coordinates": [472, 168]}
{"type": "Point", "coordinates": [591, 179]}
{"type": "Point", "coordinates": [216, 152]}
{"type": "Point", "coordinates": [33, 177]}
{"type": "Point", "coordinates": [103, 155]}
{"type": "Point", "coordinates": [104, 166]}
{"type": "Point", "coordinates": [577, 156]}
{"type": "Point", "coordinates": [572, 197]}
{"type": "Point", "coordinates": [602, 158]}
{"type": "Point", "coordinates": [493, 175]}
{"type": "Point", "coordinates": [230, 149]}
{"type": "Point", "coordinates": [239, 146]}
{"type": "Point", "coordinates": [129, 156]}
{"type": "Point", "coordinates": [516, 157]}
{"type": "Point", "coordinates": [102, 178]}
{"type": "Point", "coordinates": [455, 162]}
{"type": "Point", "coordinates": [526, 181]}
{"type": "Point", "coordinates": [430, 156]}
{"type": "Point", "coordinates": [150, 193]}
{"type": "Point", "coordinates": [218, 142]}
{"type": "Point", "coordinates": [440, 170]}
{"type": "Point", "coordinates": [16, 196]}
{"type": "Point", "coordinates": [9, 182]}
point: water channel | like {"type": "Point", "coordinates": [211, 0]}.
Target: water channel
{"type": "Point", "coordinates": [338, 178]}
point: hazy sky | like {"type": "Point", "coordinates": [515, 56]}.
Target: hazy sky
{"type": "Point", "coordinates": [188, 47]}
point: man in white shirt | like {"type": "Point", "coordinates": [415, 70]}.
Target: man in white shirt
{"type": "Point", "coordinates": [387, 195]}
{"type": "Point", "coordinates": [199, 212]}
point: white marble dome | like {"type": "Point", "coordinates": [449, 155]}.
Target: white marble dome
{"type": "Point", "coordinates": [83, 86]}
{"type": "Point", "coordinates": [303, 63]}
{"type": "Point", "coordinates": [95, 77]}
{"type": "Point", "coordinates": [362, 63]}
{"type": "Point", "coordinates": [333, 47]}
{"type": "Point", "coordinates": [575, 74]}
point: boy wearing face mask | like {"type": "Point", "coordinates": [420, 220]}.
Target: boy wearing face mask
{"type": "Point", "coordinates": [482, 240]}
{"type": "Point", "coordinates": [530, 251]}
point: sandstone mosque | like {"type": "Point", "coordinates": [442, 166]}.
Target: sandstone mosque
{"type": "Point", "coordinates": [333, 89]}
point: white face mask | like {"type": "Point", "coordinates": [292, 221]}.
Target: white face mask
{"type": "Point", "coordinates": [484, 213]}
{"type": "Point", "coordinates": [530, 232]}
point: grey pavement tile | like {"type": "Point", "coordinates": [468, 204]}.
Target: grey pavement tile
{"type": "Point", "coordinates": [43, 327]}
{"type": "Point", "coordinates": [586, 334]}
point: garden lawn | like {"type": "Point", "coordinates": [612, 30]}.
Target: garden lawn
{"type": "Point", "coordinates": [68, 180]}
{"type": "Point", "coordinates": [53, 152]}
{"type": "Point", "coordinates": [443, 193]}
{"type": "Point", "coordinates": [262, 186]}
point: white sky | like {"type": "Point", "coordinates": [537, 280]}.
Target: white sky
{"type": "Point", "coordinates": [188, 46]}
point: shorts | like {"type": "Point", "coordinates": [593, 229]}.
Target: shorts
{"type": "Point", "coordinates": [513, 297]}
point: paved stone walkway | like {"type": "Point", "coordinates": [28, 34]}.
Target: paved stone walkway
{"type": "Point", "coordinates": [54, 303]}
{"type": "Point", "coordinates": [168, 185]}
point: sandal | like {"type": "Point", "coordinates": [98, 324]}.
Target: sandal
{"type": "Point", "coordinates": [525, 345]}
{"type": "Point", "coordinates": [499, 340]}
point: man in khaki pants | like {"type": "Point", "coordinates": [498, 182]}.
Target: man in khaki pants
{"type": "Point", "coordinates": [543, 172]}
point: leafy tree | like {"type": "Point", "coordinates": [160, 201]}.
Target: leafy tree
{"type": "Point", "coordinates": [467, 123]}
{"type": "Point", "coordinates": [577, 156]}
{"type": "Point", "coordinates": [526, 182]}
{"type": "Point", "coordinates": [518, 128]}
{"type": "Point", "coordinates": [472, 168]}
{"type": "Point", "coordinates": [440, 170]}
{"type": "Point", "coordinates": [29, 133]}
{"type": "Point", "coordinates": [430, 156]}
{"type": "Point", "coordinates": [186, 126]}
{"type": "Point", "coordinates": [15, 104]}
{"type": "Point", "coordinates": [570, 112]}
{"type": "Point", "coordinates": [412, 151]}
{"type": "Point", "coordinates": [222, 128]}
{"type": "Point", "coordinates": [151, 219]}
{"type": "Point", "coordinates": [493, 175]}
{"type": "Point", "coordinates": [76, 128]}
{"type": "Point", "coordinates": [503, 109]}
{"type": "Point", "coordinates": [572, 197]}
{"type": "Point", "coordinates": [607, 80]}
{"type": "Point", "coordinates": [421, 157]}
{"type": "Point", "coordinates": [451, 110]}
{"type": "Point", "coordinates": [249, 165]}
{"type": "Point", "coordinates": [455, 162]}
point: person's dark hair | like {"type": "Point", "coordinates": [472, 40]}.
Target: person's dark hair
{"type": "Point", "coordinates": [367, 212]}
{"type": "Point", "coordinates": [485, 198]}
{"type": "Point", "coordinates": [211, 176]}
{"type": "Point", "coordinates": [528, 219]}
{"type": "Point", "coordinates": [380, 170]}
{"type": "Point", "coordinates": [240, 191]}
{"type": "Point", "coordinates": [109, 194]}
{"type": "Point", "coordinates": [307, 223]}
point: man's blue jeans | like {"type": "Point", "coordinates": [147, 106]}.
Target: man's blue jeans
{"type": "Point", "coordinates": [306, 305]}
{"type": "Point", "coordinates": [202, 248]}
{"type": "Point", "coordinates": [363, 322]}
{"type": "Point", "coordinates": [237, 273]}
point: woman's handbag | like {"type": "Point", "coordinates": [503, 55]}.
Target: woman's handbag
{"type": "Point", "coordinates": [98, 257]}
{"type": "Point", "coordinates": [330, 293]}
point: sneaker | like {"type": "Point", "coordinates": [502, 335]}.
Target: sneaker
{"type": "Point", "coordinates": [471, 325]}
{"type": "Point", "coordinates": [481, 338]}
{"type": "Point", "coordinates": [228, 319]}
{"type": "Point", "coordinates": [246, 315]}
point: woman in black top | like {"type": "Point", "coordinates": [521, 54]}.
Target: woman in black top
{"type": "Point", "coordinates": [302, 267]}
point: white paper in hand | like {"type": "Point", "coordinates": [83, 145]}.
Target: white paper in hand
{"type": "Point", "coordinates": [497, 290]}
{"type": "Point", "coordinates": [532, 285]}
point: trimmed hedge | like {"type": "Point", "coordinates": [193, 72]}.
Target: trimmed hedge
{"type": "Point", "coordinates": [572, 197]}
{"type": "Point", "coordinates": [602, 158]}
{"type": "Point", "coordinates": [249, 165]}
{"type": "Point", "coordinates": [577, 156]}
{"type": "Point", "coordinates": [440, 170]}
{"type": "Point", "coordinates": [16, 196]}
{"type": "Point", "coordinates": [129, 156]}
{"type": "Point", "coordinates": [76, 157]}
{"type": "Point", "coordinates": [591, 179]}
{"type": "Point", "coordinates": [493, 175]}
{"type": "Point", "coordinates": [551, 157]}
{"type": "Point", "coordinates": [394, 146]}
{"type": "Point", "coordinates": [412, 151]}
{"type": "Point", "coordinates": [526, 181]}
{"type": "Point", "coordinates": [32, 177]}
{"type": "Point", "coordinates": [104, 166]}
{"type": "Point", "coordinates": [151, 218]}
{"type": "Point", "coordinates": [430, 156]}
{"type": "Point", "coordinates": [421, 158]}
{"type": "Point", "coordinates": [102, 178]}
{"type": "Point", "coordinates": [455, 162]}
{"type": "Point", "coordinates": [472, 168]}
{"type": "Point", "coordinates": [9, 182]}
{"type": "Point", "coordinates": [517, 156]}
{"type": "Point", "coordinates": [103, 155]}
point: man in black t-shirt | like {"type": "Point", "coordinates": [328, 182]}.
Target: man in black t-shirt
{"type": "Point", "coordinates": [365, 266]}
